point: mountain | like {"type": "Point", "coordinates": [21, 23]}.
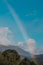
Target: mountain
{"type": "Point", "coordinates": [39, 59]}
{"type": "Point", "coordinates": [39, 50]}
{"type": "Point", "coordinates": [39, 55]}
{"type": "Point", "coordinates": [19, 50]}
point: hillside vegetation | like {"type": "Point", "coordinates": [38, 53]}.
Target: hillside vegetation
{"type": "Point", "coordinates": [12, 57]}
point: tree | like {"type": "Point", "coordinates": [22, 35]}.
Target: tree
{"type": "Point", "coordinates": [11, 57]}
{"type": "Point", "coordinates": [32, 63]}
{"type": "Point", "coordinates": [25, 61]}
{"type": "Point", "coordinates": [1, 59]}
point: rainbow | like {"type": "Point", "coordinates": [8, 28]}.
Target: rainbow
{"type": "Point", "coordinates": [18, 21]}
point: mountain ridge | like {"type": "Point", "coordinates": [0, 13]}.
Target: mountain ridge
{"type": "Point", "coordinates": [22, 52]}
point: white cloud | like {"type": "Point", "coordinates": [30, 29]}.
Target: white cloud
{"type": "Point", "coordinates": [33, 13]}
{"type": "Point", "coordinates": [20, 44]}
{"type": "Point", "coordinates": [3, 36]}
{"type": "Point", "coordinates": [29, 45]}
{"type": "Point", "coordinates": [23, 46]}
{"type": "Point", "coordinates": [29, 14]}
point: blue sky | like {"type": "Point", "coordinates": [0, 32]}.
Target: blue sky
{"type": "Point", "coordinates": [30, 14]}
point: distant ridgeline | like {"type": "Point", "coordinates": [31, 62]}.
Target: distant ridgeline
{"type": "Point", "coordinates": [12, 57]}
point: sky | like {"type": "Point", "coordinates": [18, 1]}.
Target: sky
{"type": "Point", "coordinates": [21, 20]}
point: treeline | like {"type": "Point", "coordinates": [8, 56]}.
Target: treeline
{"type": "Point", "coordinates": [11, 57]}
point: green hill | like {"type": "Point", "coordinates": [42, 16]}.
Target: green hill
{"type": "Point", "coordinates": [12, 57]}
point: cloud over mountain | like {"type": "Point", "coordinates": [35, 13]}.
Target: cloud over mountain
{"type": "Point", "coordinates": [3, 36]}
{"type": "Point", "coordinates": [29, 45]}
